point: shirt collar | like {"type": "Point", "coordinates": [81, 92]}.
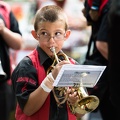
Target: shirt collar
{"type": "Point", "coordinates": [42, 55]}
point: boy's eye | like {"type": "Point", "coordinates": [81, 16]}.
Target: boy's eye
{"type": "Point", "coordinates": [44, 33]}
{"type": "Point", "coordinates": [58, 33]}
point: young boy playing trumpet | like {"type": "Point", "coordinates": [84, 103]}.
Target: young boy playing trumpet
{"type": "Point", "coordinates": [32, 84]}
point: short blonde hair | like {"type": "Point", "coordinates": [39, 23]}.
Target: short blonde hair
{"type": "Point", "coordinates": [50, 13]}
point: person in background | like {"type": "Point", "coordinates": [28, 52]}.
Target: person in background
{"type": "Point", "coordinates": [97, 54]}
{"type": "Point", "coordinates": [113, 56]}
{"type": "Point", "coordinates": [10, 38]}
{"type": "Point", "coordinates": [32, 78]}
{"type": "Point", "coordinates": [95, 8]}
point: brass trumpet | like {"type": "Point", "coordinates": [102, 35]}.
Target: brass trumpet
{"type": "Point", "coordinates": [85, 102]}
{"type": "Point", "coordinates": [58, 92]}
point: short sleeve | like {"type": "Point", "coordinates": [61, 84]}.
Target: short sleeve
{"type": "Point", "coordinates": [24, 80]}
{"type": "Point", "coordinates": [14, 25]}
{"type": "Point", "coordinates": [103, 30]}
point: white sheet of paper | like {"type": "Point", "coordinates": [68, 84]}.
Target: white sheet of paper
{"type": "Point", "coordinates": [84, 75]}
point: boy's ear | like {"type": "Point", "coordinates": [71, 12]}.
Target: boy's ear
{"type": "Point", "coordinates": [34, 34]}
{"type": "Point", "coordinates": [68, 32]}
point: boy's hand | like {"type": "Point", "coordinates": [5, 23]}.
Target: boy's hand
{"type": "Point", "coordinates": [73, 95]}
{"type": "Point", "coordinates": [57, 68]}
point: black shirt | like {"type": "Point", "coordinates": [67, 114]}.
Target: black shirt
{"type": "Point", "coordinates": [23, 89]}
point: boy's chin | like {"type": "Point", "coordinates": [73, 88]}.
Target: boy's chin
{"type": "Point", "coordinates": [51, 56]}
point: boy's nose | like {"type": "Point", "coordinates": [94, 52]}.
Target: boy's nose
{"type": "Point", "coordinates": [51, 39]}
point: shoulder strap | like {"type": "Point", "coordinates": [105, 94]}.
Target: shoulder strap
{"type": "Point", "coordinates": [5, 12]}
{"type": "Point", "coordinates": [89, 48]}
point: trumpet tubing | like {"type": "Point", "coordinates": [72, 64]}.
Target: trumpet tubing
{"type": "Point", "coordinates": [53, 50]}
{"type": "Point", "coordinates": [60, 97]}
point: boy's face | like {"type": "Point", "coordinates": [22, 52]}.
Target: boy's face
{"type": "Point", "coordinates": [52, 34]}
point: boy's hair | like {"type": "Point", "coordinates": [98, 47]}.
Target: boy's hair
{"type": "Point", "coordinates": [50, 13]}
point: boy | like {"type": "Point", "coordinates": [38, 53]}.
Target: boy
{"type": "Point", "coordinates": [31, 83]}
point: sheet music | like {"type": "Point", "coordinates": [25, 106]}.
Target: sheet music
{"type": "Point", "coordinates": [85, 75]}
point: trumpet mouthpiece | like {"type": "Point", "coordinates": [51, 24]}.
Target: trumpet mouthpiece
{"type": "Point", "coordinates": [52, 49]}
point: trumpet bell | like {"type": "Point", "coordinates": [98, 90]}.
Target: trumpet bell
{"type": "Point", "coordinates": [87, 104]}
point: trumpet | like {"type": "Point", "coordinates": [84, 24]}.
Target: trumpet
{"type": "Point", "coordinates": [58, 92]}
{"type": "Point", "coordinates": [86, 103]}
